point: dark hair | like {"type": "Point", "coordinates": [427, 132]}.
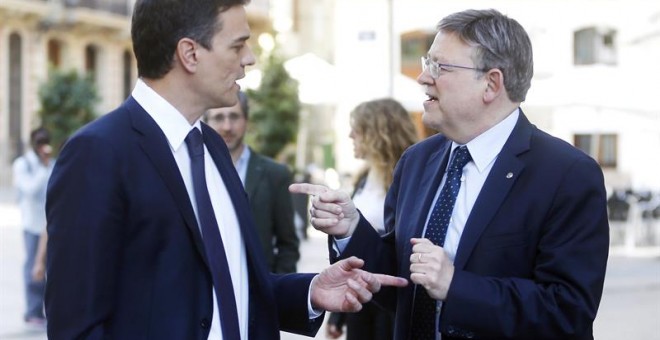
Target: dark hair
{"type": "Point", "coordinates": [39, 136]}
{"type": "Point", "coordinates": [158, 26]}
{"type": "Point", "coordinates": [243, 100]}
{"type": "Point", "coordinates": [500, 42]}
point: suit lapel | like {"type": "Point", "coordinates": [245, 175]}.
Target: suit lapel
{"type": "Point", "coordinates": [155, 145]}
{"type": "Point", "coordinates": [502, 176]}
{"type": "Point", "coordinates": [254, 174]}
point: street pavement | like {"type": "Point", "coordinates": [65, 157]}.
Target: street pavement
{"type": "Point", "coordinates": [630, 308]}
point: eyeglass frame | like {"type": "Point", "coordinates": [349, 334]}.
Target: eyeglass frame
{"type": "Point", "coordinates": [427, 62]}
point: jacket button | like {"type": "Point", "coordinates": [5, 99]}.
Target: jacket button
{"type": "Point", "coordinates": [205, 323]}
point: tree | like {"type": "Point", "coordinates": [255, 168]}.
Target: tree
{"type": "Point", "coordinates": [275, 109]}
{"type": "Point", "coordinates": [67, 103]}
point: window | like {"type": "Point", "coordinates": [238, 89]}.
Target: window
{"type": "Point", "coordinates": [413, 46]}
{"type": "Point", "coordinates": [594, 45]}
{"type": "Point", "coordinates": [602, 147]}
{"type": "Point", "coordinates": [54, 53]}
{"type": "Point", "coordinates": [91, 60]}
{"type": "Point", "coordinates": [127, 73]}
{"type": "Point", "coordinates": [15, 94]}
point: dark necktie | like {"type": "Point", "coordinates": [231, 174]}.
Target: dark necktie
{"type": "Point", "coordinates": [424, 307]}
{"type": "Point", "coordinates": [215, 250]}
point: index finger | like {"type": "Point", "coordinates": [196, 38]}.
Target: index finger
{"type": "Point", "coordinates": [389, 280]}
{"type": "Point", "coordinates": [307, 188]}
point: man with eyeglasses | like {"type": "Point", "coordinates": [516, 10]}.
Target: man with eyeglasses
{"type": "Point", "coordinates": [502, 227]}
{"type": "Point", "coordinates": [265, 182]}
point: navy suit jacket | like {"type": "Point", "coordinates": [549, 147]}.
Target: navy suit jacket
{"type": "Point", "coordinates": [531, 260]}
{"type": "Point", "coordinates": [125, 255]}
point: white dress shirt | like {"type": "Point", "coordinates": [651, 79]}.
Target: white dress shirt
{"type": "Point", "coordinates": [242, 163]}
{"type": "Point", "coordinates": [370, 200]}
{"type": "Point", "coordinates": [176, 128]}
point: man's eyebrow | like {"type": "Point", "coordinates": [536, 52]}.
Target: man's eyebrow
{"type": "Point", "coordinates": [242, 38]}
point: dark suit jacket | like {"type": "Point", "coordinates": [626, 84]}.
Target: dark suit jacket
{"type": "Point", "coordinates": [531, 260]}
{"type": "Point", "coordinates": [125, 255]}
{"type": "Point", "coordinates": [267, 185]}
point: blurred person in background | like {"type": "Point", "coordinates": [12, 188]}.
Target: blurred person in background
{"type": "Point", "coordinates": [267, 185]}
{"type": "Point", "coordinates": [31, 172]}
{"type": "Point", "coordinates": [381, 130]}
{"type": "Point", "coordinates": [502, 227]}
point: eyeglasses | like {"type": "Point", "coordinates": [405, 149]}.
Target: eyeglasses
{"type": "Point", "coordinates": [220, 118]}
{"type": "Point", "coordinates": [434, 68]}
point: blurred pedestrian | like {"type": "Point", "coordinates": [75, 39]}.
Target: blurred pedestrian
{"type": "Point", "coordinates": [150, 234]}
{"type": "Point", "coordinates": [267, 185]}
{"type": "Point", "coordinates": [502, 227]}
{"type": "Point", "coordinates": [31, 173]}
{"type": "Point", "coordinates": [381, 131]}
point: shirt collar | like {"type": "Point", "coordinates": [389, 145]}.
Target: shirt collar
{"type": "Point", "coordinates": [485, 147]}
{"type": "Point", "coordinates": [245, 155]}
{"type": "Point", "coordinates": [173, 124]}
{"type": "Point", "coordinates": [242, 163]}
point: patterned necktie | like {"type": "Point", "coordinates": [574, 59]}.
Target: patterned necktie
{"type": "Point", "coordinates": [215, 250]}
{"type": "Point", "coordinates": [425, 307]}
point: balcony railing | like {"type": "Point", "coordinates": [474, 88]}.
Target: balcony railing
{"type": "Point", "coordinates": [121, 7]}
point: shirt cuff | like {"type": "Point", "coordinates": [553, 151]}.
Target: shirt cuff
{"type": "Point", "coordinates": [313, 313]}
{"type": "Point", "coordinates": [339, 244]}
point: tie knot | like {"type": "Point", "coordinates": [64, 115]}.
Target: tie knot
{"type": "Point", "coordinates": [195, 142]}
{"type": "Point", "coordinates": [460, 158]}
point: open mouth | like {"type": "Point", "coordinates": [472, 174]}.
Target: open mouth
{"type": "Point", "coordinates": [431, 98]}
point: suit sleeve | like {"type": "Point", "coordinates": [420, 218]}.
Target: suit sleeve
{"type": "Point", "coordinates": [378, 252]}
{"type": "Point", "coordinates": [286, 240]}
{"type": "Point", "coordinates": [292, 296]}
{"type": "Point", "coordinates": [561, 298]}
{"type": "Point", "coordinates": [85, 215]}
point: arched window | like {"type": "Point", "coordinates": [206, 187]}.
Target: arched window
{"type": "Point", "coordinates": [127, 61]}
{"type": "Point", "coordinates": [91, 61]}
{"type": "Point", "coordinates": [54, 53]}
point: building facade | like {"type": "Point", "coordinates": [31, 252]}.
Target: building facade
{"type": "Point", "coordinates": [91, 37]}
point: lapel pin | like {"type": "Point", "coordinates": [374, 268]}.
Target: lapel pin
{"type": "Point", "coordinates": [509, 175]}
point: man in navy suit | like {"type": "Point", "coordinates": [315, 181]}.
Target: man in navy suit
{"type": "Point", "coordinates": [126, 258]}
{"type": "Point", "coordinates": [526, 243]}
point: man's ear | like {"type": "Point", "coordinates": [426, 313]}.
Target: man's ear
{"type": "Point", "coordinates": [494, 85]}
{"type": "Point", "coordinates": [186, 53]}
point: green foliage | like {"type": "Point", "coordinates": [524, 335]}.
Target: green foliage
{"type": "Point", "coordinates": [67, 103]}
{"type": "Point", "coordinates": [275, 109]}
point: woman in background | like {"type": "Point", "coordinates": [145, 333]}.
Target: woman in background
{"type": "Point", "coordinates": [381, 130]}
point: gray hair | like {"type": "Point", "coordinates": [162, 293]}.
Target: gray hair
{"type": "Point", "coordinates": [500, 42]}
